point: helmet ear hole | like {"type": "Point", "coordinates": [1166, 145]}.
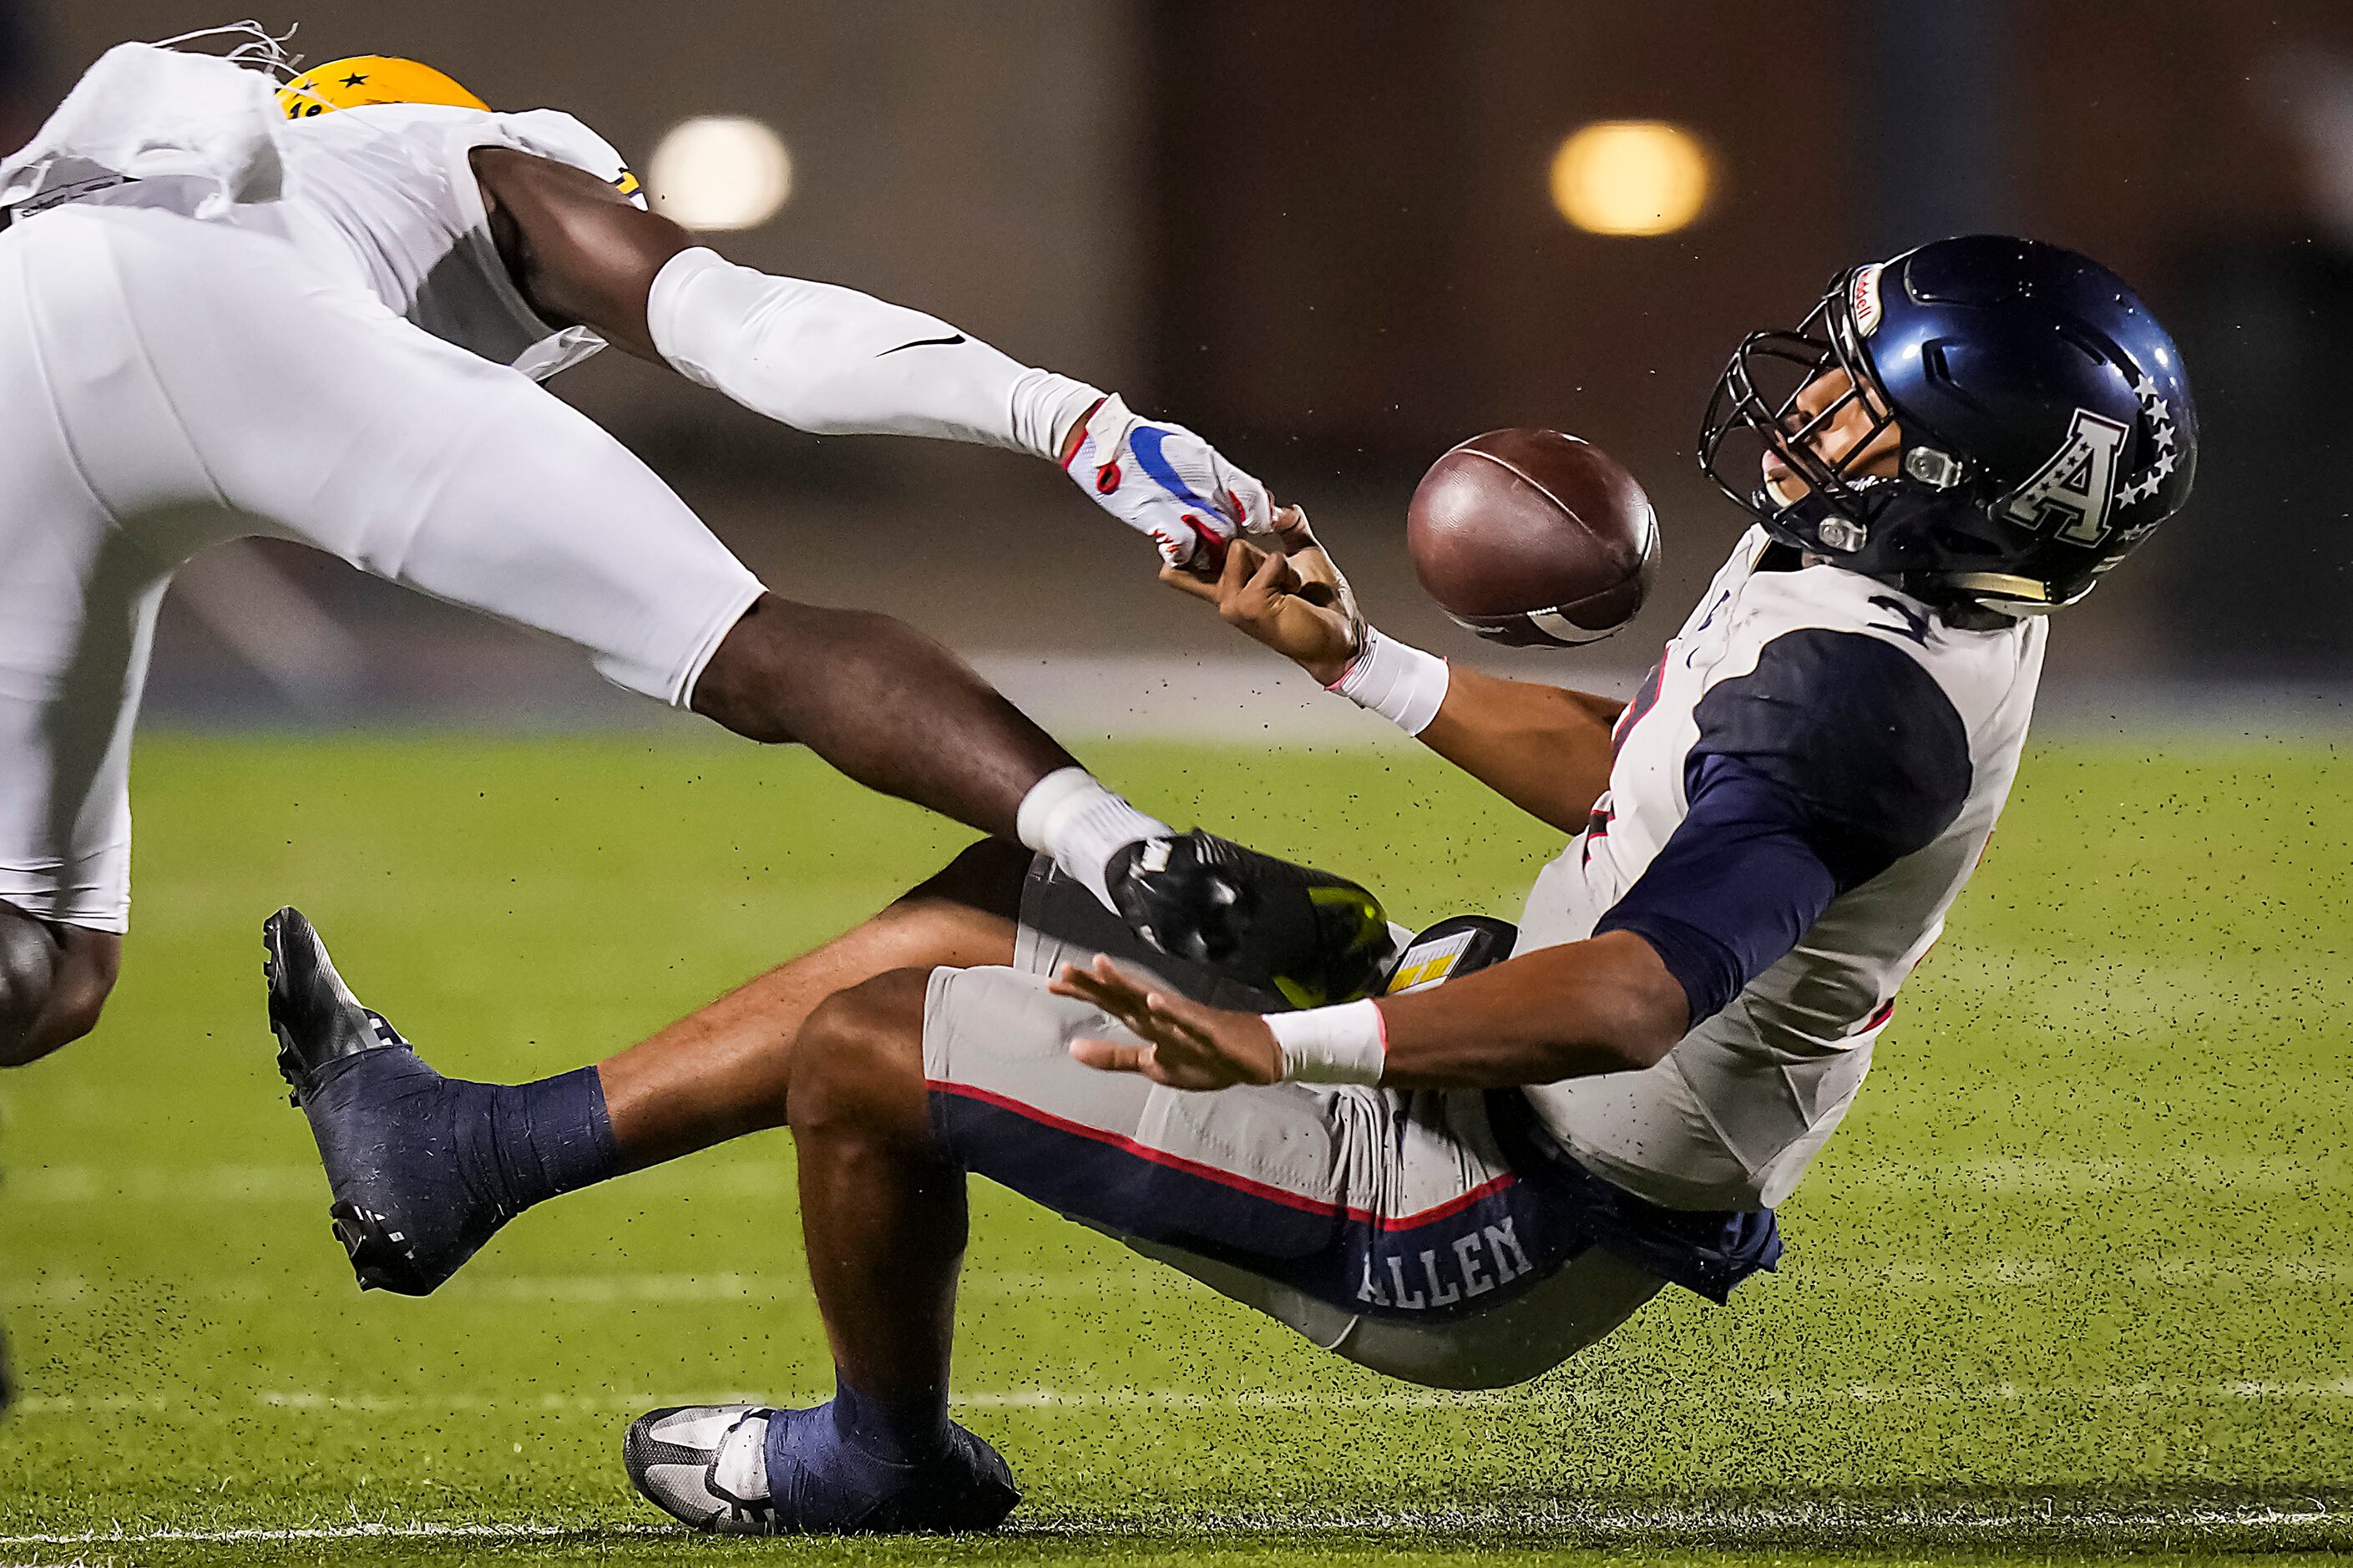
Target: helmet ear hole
{"type": "Point", "coordinates": [2100, 352]}
{"type": "Point", "coordinates": [1935, 367]}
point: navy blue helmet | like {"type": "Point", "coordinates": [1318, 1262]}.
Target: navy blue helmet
{"type": "Point", "coordinates": [2043, 413]}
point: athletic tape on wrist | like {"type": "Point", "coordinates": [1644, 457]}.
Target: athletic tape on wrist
{"type": "Point", "coordinates": [1395, 680]}
{"type": "Point", "coordinates": [1347, 1044]}
{"type": "Point", "coordinates": [1106, 419]}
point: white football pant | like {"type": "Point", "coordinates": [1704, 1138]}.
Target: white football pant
{"type": "Point", "coordinates": [167, 384]}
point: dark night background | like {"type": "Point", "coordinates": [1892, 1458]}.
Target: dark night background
{"type": "Point", "coordinates": [1319, 233]}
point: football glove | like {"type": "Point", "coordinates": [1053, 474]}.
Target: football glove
{"type": "Point", "coordinates": [1304, 935]}
{"type": "Point", "coordinates": [1163, 480]}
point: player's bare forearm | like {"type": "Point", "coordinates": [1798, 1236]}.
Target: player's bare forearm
{"type": "Point", "coordinates": [1607, 1004]}
{"type": "Point", "coordinates": [583, 253]}
{"type": "Point", "coordinates": [1546, 749]}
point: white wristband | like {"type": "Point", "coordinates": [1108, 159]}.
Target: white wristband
{"type": "Point", "coordinates": [1395, 680]}
{"type": "Point", "coordinates": [1347, 1044]}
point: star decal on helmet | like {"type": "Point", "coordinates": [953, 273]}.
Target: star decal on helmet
{"type": "Point", "coordinates": [2159, 413]}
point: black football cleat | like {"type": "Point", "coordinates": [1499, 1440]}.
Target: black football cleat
{"type": "Point", "coordinates": [1306, 936]}
{"type": "Point", "coordinates": [404, 1209]}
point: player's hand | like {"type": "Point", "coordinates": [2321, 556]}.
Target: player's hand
{"type": "Point", "coordinates": [1186, 1045]}
{"type": "Point", "coordinates": [1296, 602]}
{"type": "Point", "coordinates": [1163, 480]}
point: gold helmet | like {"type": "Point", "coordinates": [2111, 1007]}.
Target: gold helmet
{"type": "Point", "coordinates": [370, 78]}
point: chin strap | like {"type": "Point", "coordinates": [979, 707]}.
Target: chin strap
{"type": "Point", "coordinates": [2005, 593]}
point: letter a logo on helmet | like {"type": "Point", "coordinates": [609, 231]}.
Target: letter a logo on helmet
{"type": "Point", "coordinates": [364, 79]}
{"type": "Point", "coordinates": [2077, 486]}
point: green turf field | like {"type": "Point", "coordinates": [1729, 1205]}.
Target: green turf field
{"type": "Point", "coordinates": [2075, 1276]}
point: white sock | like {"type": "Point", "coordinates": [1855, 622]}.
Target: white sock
{"type": "Point", "coordinates": [1069, 816]}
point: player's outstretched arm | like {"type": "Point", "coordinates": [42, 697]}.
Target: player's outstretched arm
{"type": "Point", "coordinates": [835, 362]}
{"type": "Point", "coordinates": [1609, 1004]}
{"type": "Point", "coordinates": [1790, 805]}
{"type": "Point", "coordinates": [1546, 749]}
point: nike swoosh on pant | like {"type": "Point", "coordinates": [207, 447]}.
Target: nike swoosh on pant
{"type": "Point", "coordinates": [948, 341]}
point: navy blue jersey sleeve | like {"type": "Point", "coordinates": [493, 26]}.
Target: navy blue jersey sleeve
{"type": "Point", "coordinates": [1863, 738]}
{"type": "Point", "coordinates": [1734, 888]}
{"type": "Point", "coordinates": [1838, 756]}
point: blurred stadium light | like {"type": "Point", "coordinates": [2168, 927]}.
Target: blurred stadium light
{"type": "Point", "coordinates": [721, 172]}
{"type": "Point", "coordinates": [1355, 262]}
{"type": "Point", "coordinates": [1632, 177]}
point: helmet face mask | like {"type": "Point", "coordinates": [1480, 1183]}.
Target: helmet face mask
{"type": "Point", "coordinates": [2041, 425]}
{"type": "Point", "coordinates": [1759, 399]}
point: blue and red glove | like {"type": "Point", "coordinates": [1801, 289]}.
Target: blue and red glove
{"type": "Point", "coordinates": [1164, 480]}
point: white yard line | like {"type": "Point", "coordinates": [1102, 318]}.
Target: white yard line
{"type": "Point", "coordinates": [2250, 1176]}
{"type": "Point", "coordinates": [1840, 1518]}
{"type": "Point", "coordinates": [165, 1535]}
{"type": "Point", "coordinates": [2005, 1393]}
{"type": "Point", "coordinates": [77, 1290]}
{"type": "Point", "coordinates": [2005, 1272]}
{"type": "Point", "coordinates": [53, 1291]}
{"type": "Point", "coordinates": [2243, 1175]}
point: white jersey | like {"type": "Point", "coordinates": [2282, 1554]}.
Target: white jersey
{"type": "Point", "coordinates": [383, 196]}
{"type": "Point", "coordinates": [1734, 1114]}
{"type": "Point", "coordinates": [216, 322]}
{"type": "Point", "coordinates": [394, 184]}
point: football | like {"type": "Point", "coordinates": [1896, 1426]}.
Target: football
{"type": "Point", "coordinates": [1533, 538]}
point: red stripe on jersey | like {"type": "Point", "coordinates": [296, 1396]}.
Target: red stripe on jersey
{"type": "Point", "coordinates": [1240, 1184]}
